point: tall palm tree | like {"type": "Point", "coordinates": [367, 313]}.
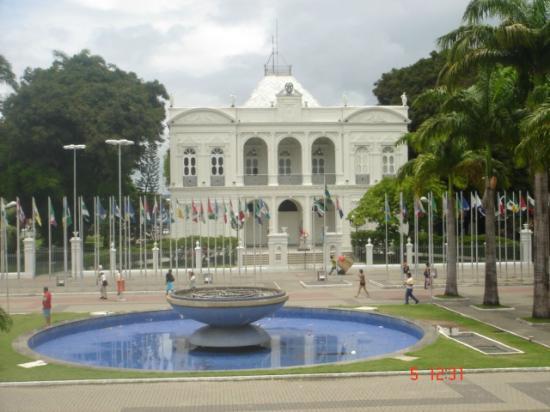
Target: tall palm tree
{"type": "Point", "coordinates": [520, 39]}
{"type": "Point", "coordinates": [447, 157]}
{"type": "Point", "coordinates": [535, 150]}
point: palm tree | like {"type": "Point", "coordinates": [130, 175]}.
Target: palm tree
{"type": "Point", "coordinates": [535, 150]}
{"type": "Point", "coordinates": [520, 39]}
{"type": "Point", "coordinates": [444, 156]}
{"type": "Point", "coordinates": [6, 74]}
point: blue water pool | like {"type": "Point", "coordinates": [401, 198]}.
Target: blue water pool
{"type": "Point", "coordinates": [158, 341]}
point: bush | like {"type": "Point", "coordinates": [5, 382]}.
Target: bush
{"type": "Point", "coordinates": [5, 321]}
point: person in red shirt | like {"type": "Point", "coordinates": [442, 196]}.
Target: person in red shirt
{"type": "Point", "coordinates": [47, 306]}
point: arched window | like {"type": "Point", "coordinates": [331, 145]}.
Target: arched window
{"type": "Point", "coordinates": [284, 163]}
{"type": "Point", "coordinates": [251, 162]}
{"type": "Point", "coordinates": [216, 161]}
{"type": "Point", "coordinates": [361, 161]}
{"type": "Point", "coordinates": [388, 165]}
{"type": "Point", "coordinates": [189, 162]}
{"type": "Point", "coordinates": [318, 162]}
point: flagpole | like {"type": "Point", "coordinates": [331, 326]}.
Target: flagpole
{"type": "Point", "coordinates": [498, 234]}
{"type": "Point", "coordinates": [444, 228]}
{"type": "Point", "coordinates": [65, 263]}
{"type": "Point", "coordinates": [477, 239]}
{"type": "Point", "coordinates": [141, 211]}
{"type": "Point", "coordinates": [520, 258]}
{"type": "Point", "coordinates": [49, 239]}
{"type": "Point", "coordinates": [430, 234]}
{"type": "Point", "coordinates": [81, 233]}
{"type": "Point", "coordinates": [17, 228]}
{"type": "Point", "coordinates": [462, 234]}
{"type": "Point", "coordinates": [458, 207]}
{"type": "Point", "coordinates": [514, 230]}
{"type": "Point", "coordinates": [96, 257]}
{"type": "Point", "coordinates": [313, 237]}
{"type": "Point", "coordinates": [160, 233]}
{"type": "Point", "coordinates": [401, 228]}
{"type": "Point", "coordinates": [254, 235]}
{"type": "Point", "coordinates": [145, 211]}
{"type": "Point", "coordinates": [4, 254]}
{"type": "Point", "coordinates": [416, 211]}
{"type": "Point", "coordinates": [471, 233]}
{"type": "Point", "coordinates": [386, 211]}
{"type": "Point", "coordinates": [325, 204]}
{"type": "Point", "coordinates": [129, 238]}
{"type": "Point", "coordinates": [505, 237]}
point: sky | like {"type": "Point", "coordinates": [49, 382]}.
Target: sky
{"type": "Point", "coordinates": [204, 51]}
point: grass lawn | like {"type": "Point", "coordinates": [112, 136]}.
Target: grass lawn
{"type": "Point", "coordinates": [442, 353]}
{"type": "Point", "coordinates": [537, 320]}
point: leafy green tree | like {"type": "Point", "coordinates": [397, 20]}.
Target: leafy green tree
{"type": "Point", "coordinates": [82, 100]}
{"type": "Point", "coordinates": [535, 150]}
{"type": "Point", "coordinates": [414, 80]}
{"type": "Point", "coordinates": [6, 73]}
{"type": "Point", "coordinates": [166, 168]}
{"type": "Point", "coordinates": [513, 33]}
{"type": "Point", "coordinates": [149, 170]}
{"type": "Point", "coordinates": [445, 156]}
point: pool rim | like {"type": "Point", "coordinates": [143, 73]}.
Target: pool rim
{"type": "Point", "coordinates": [21, 344]}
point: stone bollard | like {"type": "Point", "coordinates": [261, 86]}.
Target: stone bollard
{"type": "Point", "coordinates": [155, 258]}
{"type": "Point", "coordinates": [368, 249]}
{"type": "Point", "coordinates": [526, 245]}
{"type": "Point", "coordinates": [29, 250]}
{"type": "Point", "coordinates": [112, 259]}
{"type": "Point", "coordinates": [76, 258]}
{"type": "Point", "coordinates": [409, 251]}
{"type": "Point", "coordinates": [198, 257]}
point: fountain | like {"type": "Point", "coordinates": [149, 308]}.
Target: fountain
{"type": "Point", "coordinates": [228, 313]}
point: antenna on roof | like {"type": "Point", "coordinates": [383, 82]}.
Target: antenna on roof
{"type": "Point", "coordinates": [272, 67]}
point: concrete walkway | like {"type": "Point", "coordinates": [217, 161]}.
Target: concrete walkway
{"type": "Point", "coordinates": [478, 392]}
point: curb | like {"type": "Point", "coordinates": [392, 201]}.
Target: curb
{"type": "Point", "coordinates": [254, 378]}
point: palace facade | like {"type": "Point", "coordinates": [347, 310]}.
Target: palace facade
{"type": "Point", "coordinates": [283, 147]}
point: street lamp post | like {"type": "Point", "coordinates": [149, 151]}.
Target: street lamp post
{"type": "Point", "coordinates": [74, 148]}
{"type": "Point", "coordinates": [119, 143]}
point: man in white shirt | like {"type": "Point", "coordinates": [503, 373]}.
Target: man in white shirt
{"type": "Point", "coordinates": [409, 284]}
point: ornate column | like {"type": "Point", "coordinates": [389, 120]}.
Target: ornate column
{"type": "Point", "coordinates": [306, 161]}
{"type": "Point", "coordinates": [307, 218]}
{"type": "Point", "coordinates": [338, 162]}
{"type": "Point", "coordinates": [272, 159]}
{"type": "Point", "coordinates": [239, 160]}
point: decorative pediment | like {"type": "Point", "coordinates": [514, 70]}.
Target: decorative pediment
{"type": "Point", "coordinates": [376, 115]}
{"type": "Point", "coordinates": [202, 116]}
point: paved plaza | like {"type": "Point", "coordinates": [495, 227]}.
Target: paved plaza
{"type": "Point", "coordinates": [492, 391]}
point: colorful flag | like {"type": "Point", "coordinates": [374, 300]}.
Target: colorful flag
{"type": "Point", "coordinates": [115, 210]}
{"type": "Point", "coordinates": [179, 210]}
{"type": "Point", "coordinates": [85, 213]}
{"type": "Point", "coordinates": [465, 205]}
{"type": "Point", "coordinates": [232, 216]}
{"type": "Point", "coordinates": [195, 212]}
{"type": "Point", "coordinates": [146, 209]}
{"type": "Point", "coordinates": [328, 197]}
{"type": "Point", "coordinates": [318, 207]}
{"type": "Point", "coordinates": [241, 213]}
{"type": "Point", "coordinates": [530, 200]}
{"type": "Point", "coordinates": [501, 210]}
{"type": "Point", "coordinates": [211, 214]}
{"type": "Point", "coordinates": [339, 208]}
{"type": "Point", "coordinates": [522, 204]}
{"type": "Point", "coordinates": [35, 214]}
{"type": "Point", "coordinates": [387, 211]}
{"type": "Point", "coordinates": [130, 212]}
{"type": "Point", "coordinates": [20, 213]}
{"type": "Point", "coordinates": [201, 213]}
{"type": "Point", "coordinates": [511, 206]}
{"type": "Point", "coordinates": [434, 205]}
{"type": "Point", "coordinates": [101, 210]}
{"type": "Point", "coordinates": [224, 213]}
{"type": "Point", "coordinates": [418, 208]}
{"type": "Point", "coordinates": [155, 207]}
{"type": "Point", "coordinates": [187, 212]}
{"type": "Point", "coordinates": [3, 213]}
{"type": "Point", "coordinates": [67, 219]}
{"type": "Point", "coordinates": [478, 205]}
{"type": "Point", "coordinates": [51, 218]}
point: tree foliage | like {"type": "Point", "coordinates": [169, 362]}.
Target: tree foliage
{"type": "Point", "coordinates": [77, 100]}
{"type": "Point", "coordinates": [413, 80]}
{"type": "Point", "coordinates": [149, 170]}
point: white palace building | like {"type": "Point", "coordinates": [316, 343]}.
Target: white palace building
{"type": "Point", "coordinates": [282, 146]}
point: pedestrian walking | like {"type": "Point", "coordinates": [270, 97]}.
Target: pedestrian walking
{"type": "Point", "coordinates": [120, 283]}
{"type": "Point", "coordinates": [409, 284]}
{"type": "Point", "coordinates": [47, 306]}
{"type": "Point", "coordinates": [334, 267]}
{"type": "Point", "coordinates": [405, 267]}
{"type": "Point", "coordinates": [169, 282]}
{"type": "Point", "coordinates": [362, 284]}
{"type": "Point", "coordinates": [102, 284]}
{"type": "Point", "coordinates": [192, 280]}
{"type": "Point", "coordinates": [427, 276]}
